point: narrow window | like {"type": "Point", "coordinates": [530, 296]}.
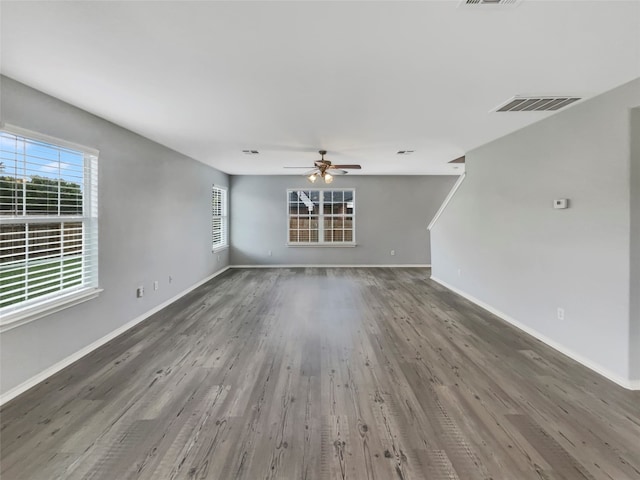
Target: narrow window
{"type": "Point", "coordinates": [219, 231]}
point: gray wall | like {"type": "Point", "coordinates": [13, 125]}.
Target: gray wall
{"type": "Point", "coordinates": [154, 221]}
{"type": "Point", "coordinates": [392, 213]}
{"type": "Point", "coordinates": [635, 245]}
{"type": "Point", "coordinates": [501, 241]}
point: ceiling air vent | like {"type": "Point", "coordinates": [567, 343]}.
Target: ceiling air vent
{"type": "Point", "coordinates": [536, 104]}
{"type": "Point", "coordinates": [474, 3]}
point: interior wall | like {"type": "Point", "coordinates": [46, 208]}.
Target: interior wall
{"type": "Point", "coordinates": [154, 222]}
{"type": "Point", "coordinates": [392, 213]}
{"type": "Point", "coordinates": [501, 242]}
{"type": "Point", "coordinates": [634, 287]}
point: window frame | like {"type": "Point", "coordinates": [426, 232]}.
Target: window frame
{"type": "Point", "coordinates": [224, 216]}
{"type": "Point", "coordinates": [321, 243]}
{"type": "Point", "coordinates": [54, 301]}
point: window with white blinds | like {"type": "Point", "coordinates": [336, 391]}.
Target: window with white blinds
{"type": "Point", "coordinates": [48, 222]}
{"type": "Point", "coordinates": [321, 217]}
{"type": "Point", "coordinates": [219, 233]}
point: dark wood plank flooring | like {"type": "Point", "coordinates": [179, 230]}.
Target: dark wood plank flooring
{"type": "Point", "coordinates": [323, 374]}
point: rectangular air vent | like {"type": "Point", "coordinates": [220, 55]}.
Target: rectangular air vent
{"type": "Point", "coordinates": [536, 104]}
{"type": "Point", "coordinates": [250, 152]}
{"type": "Point", "coordinates": [474, 3]}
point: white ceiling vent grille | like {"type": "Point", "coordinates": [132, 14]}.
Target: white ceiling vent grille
{"type": "Point", "coordinates": [536, 104]}
{"type": "Point", "coordinates": [503, 3]}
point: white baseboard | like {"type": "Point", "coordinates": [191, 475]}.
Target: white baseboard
{"type": "Point", "coordinates": [426, 265]}
{"type": "Point", "coordinates": [623, 382]}
{"type": "Point", "coordinates": [33, 381]}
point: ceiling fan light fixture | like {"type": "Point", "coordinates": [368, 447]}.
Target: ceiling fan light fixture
{"type": "Point", "coordinates": [322, 167]}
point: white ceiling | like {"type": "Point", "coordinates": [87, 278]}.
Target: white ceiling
{"type": "Point", "coordinates": [359, 79]}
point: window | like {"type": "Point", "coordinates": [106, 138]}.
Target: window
{"type": "Point", "coordinates": [219, 230]}
{"type": "Point", "coordinates": [48, 223]}
{"type": "Point", "coordinates": [321, 217]}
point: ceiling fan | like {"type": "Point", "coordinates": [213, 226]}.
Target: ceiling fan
{"type": "Point", "coordinates": [326, 170]}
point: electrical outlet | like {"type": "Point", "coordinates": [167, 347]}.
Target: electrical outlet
{"type": "Point", "coordinates": [140, 292]}
{"type": "Point", "coordinates": [393, 252]}
{"type": "Point", "coordinates": [560, 313]}
{"type": "Point", "coordinates": [561, 203]}
{"type": "Point", "coordinates": [155, 285]}
{"type": "Point", "coordinates": [218, 257]}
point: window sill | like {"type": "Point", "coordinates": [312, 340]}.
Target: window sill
{"type": "Point", "coordinates": [322, 245]}
{"type": "Point", "coordinates": [34, 312]}
{"type": "Point", "coordinates": [220, 249]}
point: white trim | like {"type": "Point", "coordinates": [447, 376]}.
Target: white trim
{"type": "Point", "coordinates": [453, 191]}
{"type": "Point", "coordinates": [37, 219]}
{"type": "Point", "coordinates": [410, 265]}
{"type": "Point", "coordinates": [37, 311]}
{"type": "Point", "coordinates": [623, 382]}
{"type": "Point", "coordinates": [321, 245]}
{"type": "Point", "coordinates": [23, 132]}
{"type": "Point", "coordinates": [33, 381]}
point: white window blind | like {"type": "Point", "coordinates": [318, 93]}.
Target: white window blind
{"type": "Point", "coordinates": [219, 232]}
{"type": "Point", "coordinates": [321, 217]}
{"type": "Point", "coordinates": [48, 221]}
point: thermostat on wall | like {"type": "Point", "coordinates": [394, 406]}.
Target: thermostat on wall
{"type": "Point", "coordinates": [561, 203]}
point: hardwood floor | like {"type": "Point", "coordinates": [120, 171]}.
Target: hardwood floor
{"type": "Point", "coordinates": [323, 374]}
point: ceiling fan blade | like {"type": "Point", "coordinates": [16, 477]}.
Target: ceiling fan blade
{"type": "Point", "coordinates": [307, 167]}
{"type": "Point", "coordinates": [352, 167]}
